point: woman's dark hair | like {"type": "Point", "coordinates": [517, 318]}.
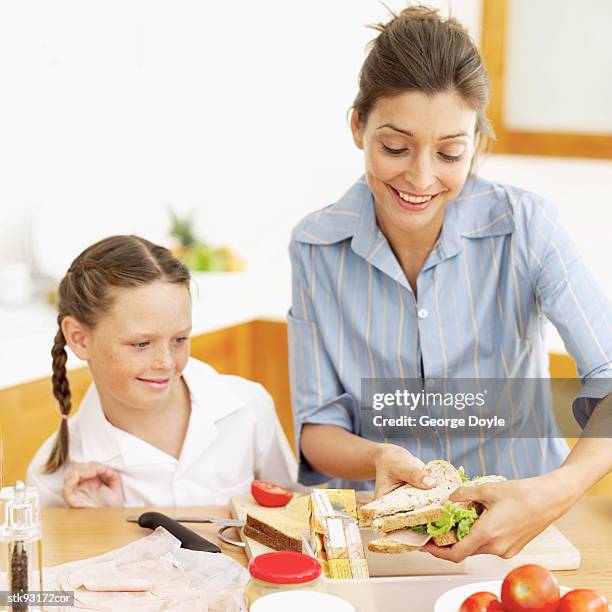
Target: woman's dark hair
{"type": "Point", "coordinates": [417, 50]}
{"type": "Point", "coordinates": [86, 293]}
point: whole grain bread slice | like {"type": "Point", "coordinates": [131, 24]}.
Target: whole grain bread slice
{"type": "Point", "coordinates": [401, 520]}
{"type": "Point", "coordinates": [281, 528]}
{"type": "Point", "coordinates": [408, 498]}
{"type": "Point", "coordinates": [278, 541]}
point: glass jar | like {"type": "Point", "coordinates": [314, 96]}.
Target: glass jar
{"type": "Point", "coordinates": [301, 601]}
{"type": "Point", "coordinates": [281, 571]}
{"type": "Point", "coordinates": [21, 543]}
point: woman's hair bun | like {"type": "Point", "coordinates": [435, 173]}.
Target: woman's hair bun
{"type": "Point", "coordinates": [418, 13]}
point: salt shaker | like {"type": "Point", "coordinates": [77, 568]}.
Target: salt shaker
{"type": "Point", "coordinates": [21, 537]}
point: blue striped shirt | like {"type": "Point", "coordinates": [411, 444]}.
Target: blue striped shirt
{"type": "Point", "coordinates": [501, 264]}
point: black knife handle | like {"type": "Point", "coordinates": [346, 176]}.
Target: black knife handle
{"type": "Point", "coordinates": [189, 539]}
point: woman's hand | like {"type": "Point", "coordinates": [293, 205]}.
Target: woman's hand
{"type": "Point", "coordinates": [516, 511]}
{"type": "Point", "coordinates": [395, 466]}
{"type": "Point", "coordinates": [92, 485]}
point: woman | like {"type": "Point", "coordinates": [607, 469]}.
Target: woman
{"type": "Point", "coordinates": [424, 270]}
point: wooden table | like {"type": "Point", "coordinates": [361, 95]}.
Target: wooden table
{"type": "Point", "coordinates": [71, 534]}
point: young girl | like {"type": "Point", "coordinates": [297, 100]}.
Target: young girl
{"type": "Point", "coordinates": [156, 427]}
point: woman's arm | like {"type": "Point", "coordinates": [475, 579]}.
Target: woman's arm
{"type": "Point", "coordinates": [323, 412]}
{"type": "Point", "coordinates": [591, 458]}
{"type": "Point", "coordinates": [335, 451]}
{"type": "Point", "coordinates": [517, 511]}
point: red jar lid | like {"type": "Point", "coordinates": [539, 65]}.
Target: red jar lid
{"type": "Point", "coordinates": [284, 567]}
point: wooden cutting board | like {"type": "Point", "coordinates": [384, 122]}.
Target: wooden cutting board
{"type": "Point", "coordinates": [550, 549]}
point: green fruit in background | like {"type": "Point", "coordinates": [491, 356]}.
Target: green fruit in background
{"type": "Point", "coordinates": [203, 258]}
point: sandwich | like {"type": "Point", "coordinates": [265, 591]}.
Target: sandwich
{"type": "Point", "coordinates": [409, 517]}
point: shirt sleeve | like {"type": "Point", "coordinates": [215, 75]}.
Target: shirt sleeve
{"type": "Point", "coordinates": [317, 395]}
{"type": "Point", "coordinates": [571, 299]}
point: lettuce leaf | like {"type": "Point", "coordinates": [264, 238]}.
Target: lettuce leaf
{"type": "Point", "coordinates": [464, 477]}
{"type": "Point", "coordinates": [453, 516]}
{"type": "Point", "coordinates": [420, 529]}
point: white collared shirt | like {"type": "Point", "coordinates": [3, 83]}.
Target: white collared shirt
{"type": "Point", "coordinates": [233, 436]}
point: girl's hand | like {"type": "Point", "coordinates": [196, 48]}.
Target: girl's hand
{"type": "Point", "coordinates": [395, 466]}
{"type": "Point", "coordinates": [516, 511]}
{"type": "Point", "coordinates": [92, 485]}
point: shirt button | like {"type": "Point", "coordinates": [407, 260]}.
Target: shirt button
{"type": "Point", "coordinates": [422, 314]}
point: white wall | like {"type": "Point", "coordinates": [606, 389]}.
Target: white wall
{"type": "Point", "coordinates": [110, 110]}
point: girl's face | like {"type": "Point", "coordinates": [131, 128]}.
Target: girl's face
{"type": "Point", "coordinates": [138, 350]}
{"type": "Point", "coordinates": [418, 151]}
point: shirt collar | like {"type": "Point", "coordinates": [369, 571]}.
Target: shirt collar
{"type": "Point", "coordinates": [482, 209]}
{"type": "Point", "coordinates": [371, 244]}
{"type": "Point", "coordinates": [212, 399]}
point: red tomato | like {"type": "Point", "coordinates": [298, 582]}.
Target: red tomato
{"type": "Point", "coordinates": [529, 588]}
{"type": "Point", "coordinates": [270, 495]}
{"type": "Point", "coordinates": [583, 600]}
{"type": "Point", "coordinates": [482, 601]}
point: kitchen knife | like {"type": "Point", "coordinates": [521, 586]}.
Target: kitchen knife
{"type": "Point", "coordinates": [189, 539]}
{"type": "Point", "coordinates": [222, 522]}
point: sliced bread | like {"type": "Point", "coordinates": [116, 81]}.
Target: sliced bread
{"type": "Point", "coordinates": [447, 539]}
{"type": "Point", "coordinates": [407, 498]}
{"type": "Point", "coordinates": [401, 520]}
{"type": "Point", "coordinates": [277, 541]}
{"type": "Point", "coordinates": [279, 528]}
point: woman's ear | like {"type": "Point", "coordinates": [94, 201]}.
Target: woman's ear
{"type": "Point", "coordinates": [77, 336]}
{"type": "Point", "coordinates": [356, 129]}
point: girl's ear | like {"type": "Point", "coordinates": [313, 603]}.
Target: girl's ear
{"type": "Point", "coordinates": [356, 129]}
{"type": "Point", "coordinates": [77, 337]}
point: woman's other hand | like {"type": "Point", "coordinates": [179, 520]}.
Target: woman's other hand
{"type": "Point", "coordinates": [395, 466]}
{"type": "Point", "coordinates": [92, 485]}
{"type": "Point", "coordinates": [516, 511]}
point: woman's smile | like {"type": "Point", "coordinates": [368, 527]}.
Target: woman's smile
{"type": "Point", "coordinates": [412, 201]}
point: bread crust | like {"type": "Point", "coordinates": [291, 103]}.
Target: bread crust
{"type": "Point", "coordinates": [280, 541]}
{"type": "Point", "coordinates": [447, 539]}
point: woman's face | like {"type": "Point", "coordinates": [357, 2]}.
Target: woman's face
{"type": "Point", "coordinates": [418, 150]}
{"type": "Point", "coordinates": [138, 350]}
